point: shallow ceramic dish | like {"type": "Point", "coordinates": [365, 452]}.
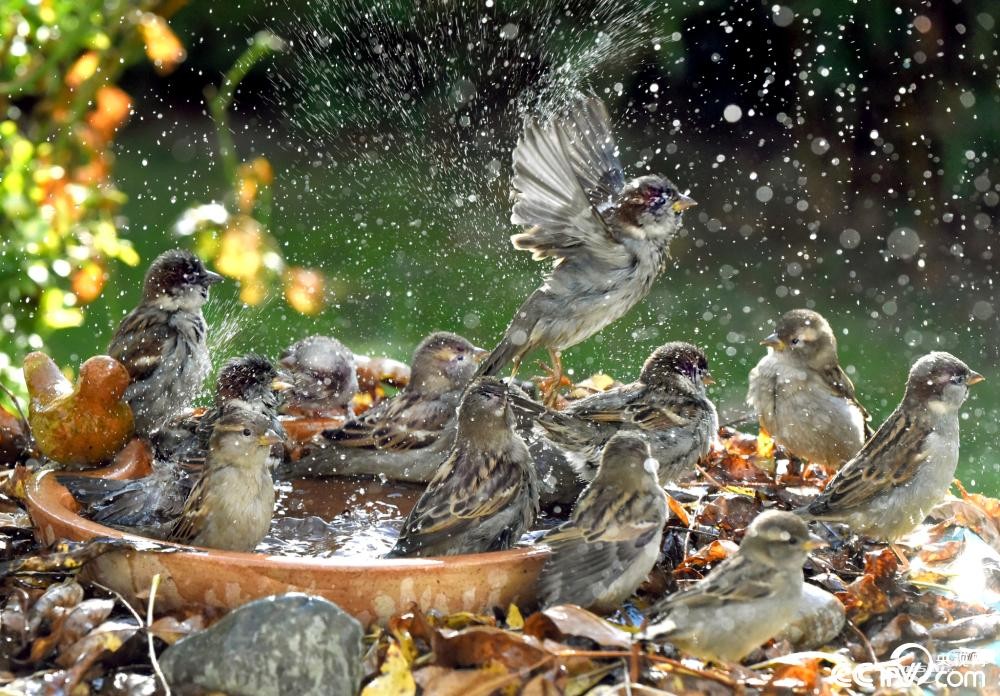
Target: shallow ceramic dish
{"type": "Point", "coordinates": [371, 590]}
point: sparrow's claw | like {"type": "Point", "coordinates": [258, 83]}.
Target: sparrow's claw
{"type": "Point", "coordinates": [553, 381]}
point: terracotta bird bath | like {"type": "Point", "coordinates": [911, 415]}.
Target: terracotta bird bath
{"type": "Point", "coordinates": [370, 589]}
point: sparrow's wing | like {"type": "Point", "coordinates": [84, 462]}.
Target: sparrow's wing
{"type": "Point", "coordinates": [139, 344]}
{"type": "Point", "coordinates": [408, 421]}
{"type": "Point", "coordinates": [192, 519]}
{"type": "Point", "coordinates": [736, 579]}
{"type": "Point", "coordinates": [563, 171]}
{"type": "Point", "coordinates": [461, 494]}
{"type": "Point", "coordinates": [608, 406]}
{"type": "Point", "coordinates": [889, 459]}
{"type": "Point", "coordinates": [840, 384]}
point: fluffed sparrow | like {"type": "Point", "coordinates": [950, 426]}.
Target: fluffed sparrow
{"type": "Point", "coordinates": [162, 341]}
{"type": "Point", "coordinates": [612, 539]}
{"type": "Point", "coordinates": [802, 397]}
{"type": "Point", "coordinates": [746, 600]}
{"type": "Point", "coordinates": [322, 374]}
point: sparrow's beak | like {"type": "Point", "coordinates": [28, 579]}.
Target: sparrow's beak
{"type": "Point", "coordinates": [815, 542]}
{"type": "Point", "coordinates": [683, 202]}
{"type": "Point", "coordinates": [479, 354]}
{"type": "Point", "coordinates": [974, 378]}
{"type": "Point", "coordinates": [773, 341]}
{"type": "Point", "coordinates": [278, 384]}
{"type": "Point", "coordinates": [211, 278]}
{"type": "Point", "coordinates": [269, 438]}
{"type": "Point", "coordinates": [707, 378]}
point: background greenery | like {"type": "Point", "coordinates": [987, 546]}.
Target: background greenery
{"type": "Point", "coordinates": [862, 127]}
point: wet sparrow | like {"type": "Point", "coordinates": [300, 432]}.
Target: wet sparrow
{"type": "Point", "coordinates": [232, 503]}
{"type": "Point", "coordinates": [612, 539]}
{"type": "Point", "coordinates": [746, 600]}
{"type": "Point", "coordinates": [668, 403]}
{"type": "Point", "coordinates": [148, 505]}
{"type": "Point", "coordinates": [442, 366]}
{"type": "Point", "coordinates": [803, 399]}
{"type": "Point", "coordinates": [909, 464]}
{"type": "Point", "coordinates": [485, 494]}
{"type": "Point", "coordinates": [162, 341]}
{"type": "Point", "coordinates": [322, 373]}
{"type": "Point", "coordinates": [608, 237]}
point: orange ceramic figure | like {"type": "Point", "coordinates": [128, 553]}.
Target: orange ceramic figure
{"type": "Point", "coordinates": [80, 425]}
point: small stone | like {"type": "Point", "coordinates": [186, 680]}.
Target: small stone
{"type": "Point", "coordinates": [284, 644]}
{"type": "Point", "coordinates": [818, 620]}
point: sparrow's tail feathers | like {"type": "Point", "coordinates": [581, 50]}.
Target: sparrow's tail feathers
{"type": "Point", "coordinates": [88, 490]}
{"type": "Point", "coordinates": [497, 360]}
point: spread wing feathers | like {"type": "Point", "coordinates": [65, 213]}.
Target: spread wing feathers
{"type": "Point", "coordinates": [553, 164]}
{"type": "Point", "coordinates": [405, 422]}
{"type": "Point", "coordinates": [737, 579]}
{"type": "Point", "coordinates": [592, 151]}
{"type": "Point", "coordinates": [147, 502]}
{"type": "Point", "coordinates": [635, 405]}
{"type": "Point", "coordinates": [464, 492]}
{"type": "Point", "coordinates": [841, 385]}
{"type": "Point", "coordinates": [889, 459]}
{"type": "Point", "coordinates": [139, 344]}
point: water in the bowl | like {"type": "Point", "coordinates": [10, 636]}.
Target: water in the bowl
{"type": "Point", "coordinates": [323, 518]}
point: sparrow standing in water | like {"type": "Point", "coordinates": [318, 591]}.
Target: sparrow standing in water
{"type": "Point", "coordinates": [612, 540]}
{"type": "Point", "coordinates": [909, 464]}
{"type": "Point", "coordinates": [322, 374]}
{"type": "Point", "coordinates": [443, 364]}
{"type": "Point", "coordinates": [485, 494]}
{"type": "Point", "coordinates": [150, 504]}
{"type": "Point", "coordinates": [668, 404]}
{"type": "Point", "coordinates": [232, 503]}
{"type": "Point", "coordinates": [162, 341]}
{"type": "Point", "coordinates": [609, 238]}
{"type": "Point", "coordinates": [747, 600]}
{"type": "Point", "coordinates": [802, 397]}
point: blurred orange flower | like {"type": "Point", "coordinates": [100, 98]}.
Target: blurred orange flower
{"type": "Point", "coordinates": [113, 106]}
{"type": "Point", "coordinates": [82, 70]}
{"type": "Point", "coordinates": [305, 289]}
{"type": "Point", "coordinates": [163, 47]}
{"type": "Point", "coordinates": [88, 282]}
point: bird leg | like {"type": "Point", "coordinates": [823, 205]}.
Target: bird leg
{"type": "Point", "coordinates": [554, 379]}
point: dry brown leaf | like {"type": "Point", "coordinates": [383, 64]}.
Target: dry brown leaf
{"type": "Point", "coordinates": [481, 645]}
{"type": "Point", "coordinates": [804, 677]}
{"type": "Point", "coordinates": [900, 630]}
{"type": "Point", "coordinates": [170, 629]}
{"type": "Point", "coordinates": [442, 681]}
{"type": "Point", "coordinates": [558, 622]}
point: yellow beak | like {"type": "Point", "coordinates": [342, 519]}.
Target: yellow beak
{"type": "Point", "coordinates": [773, 341]}
{"type": "Point", "coordinates": [707, 378]}
{"type": "Point", "coordinates": [280, 385]}
{"type": "Point", "coordinates": [683, 203]}
{"type": "Point", "coordinates": [974, 378]}
{"type": "Point", "coordinates": [269, 438]}
{"type": "Point", "coordinates": [479, 354]}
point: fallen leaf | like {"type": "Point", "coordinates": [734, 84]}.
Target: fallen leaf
{"type": "Point", "coordinates": [441, 681]}
{"type": "Point", "coordinates": [970, 629]}
{"type": "Point", "coordinates": [515, 621]}
{"type": "Point", "coordinates": [566, 620]}
{"type": "Point", "coordinates": [481, 645]}
{"type": "Point", "coordinates": [169, 629]}
{"type": "Point", "coordinates": [395, 678]}
{"type": "Point", "coordinates": [900, 630]}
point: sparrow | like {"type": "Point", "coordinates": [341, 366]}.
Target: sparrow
{"type": "Point", "coordinates": [484, 495]}
{"type": "Point", "coordinates": [322, 374]}
{"type": "Point", "coordinates": [609, 238]}
{"type": "Point", "coordinates": [150, 504]}
{"type": "Point", "coordinates": [162, 341]}
{"type": "Point", "coordinates": [232, 503]}
{"type": "Point", "coordinates": [908, 465]}
{"type": "Point", "coordinates": [746, 600]}
{"type": "Point", "coordinates": [408, 434]}
{"type": "Point", "coordinates": [612, 539]}
{"type": "Point", "coordinates": [668, 403]}
{"type": "Point", "coordinates": [802, 397]}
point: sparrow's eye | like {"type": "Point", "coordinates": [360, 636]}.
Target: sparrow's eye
{"type": "Point", "coordinates": [246, 432]}
{"type": "Point", "coordinates": [795, 341]}
{"type": "Point", "coordinates": [958, 379]}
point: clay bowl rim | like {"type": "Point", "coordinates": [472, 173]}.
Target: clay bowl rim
{"type": "Point", "coordinates": [45, 495]}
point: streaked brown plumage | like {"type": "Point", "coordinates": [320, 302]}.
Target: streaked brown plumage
{"type": "Point", "coordinates": [484, 496]}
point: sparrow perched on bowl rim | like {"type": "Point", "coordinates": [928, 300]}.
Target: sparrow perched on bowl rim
{"type": "Point", "coordinates": [162, 341]}
{"type": "Point", "coordinates": [746, 600]}
{"type": "Point", "coordinates": [232, 503]}
{"type": "Point", "coordinates": [484, 496]}
{"type": "Point", "coordinates": [322, 375]}
{"type": "Point", "coordinates": [442, 366]}
{"type": "Point", "coordinates": [668, 403]}
{"type": "Point", "coordinates": [612, 539]}
{"type": "Point", "coordinates": [803, 399]}
{"type": "Point", "coordinates": [908, 465]}
{"type": "Point", "coordinates": [608, 237]}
